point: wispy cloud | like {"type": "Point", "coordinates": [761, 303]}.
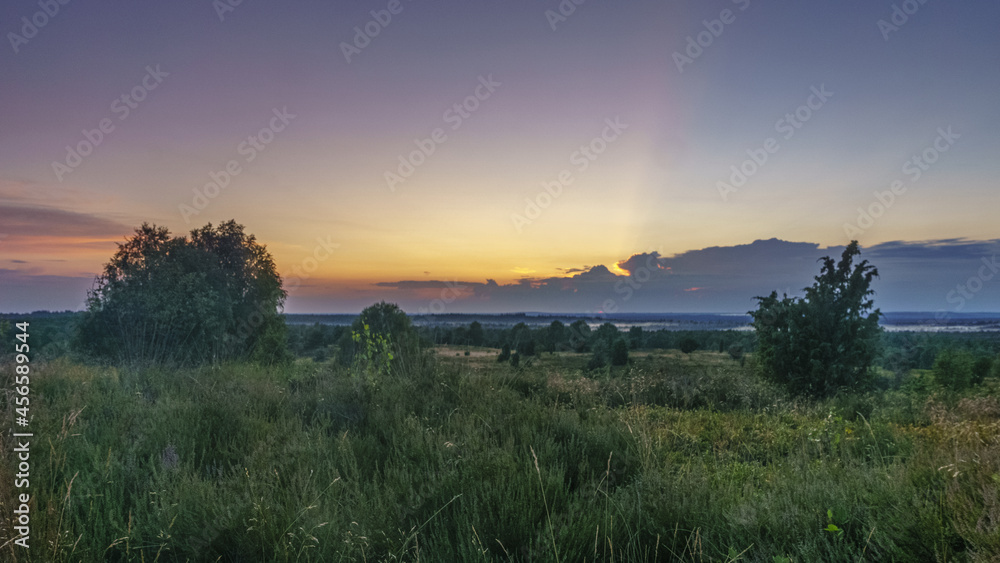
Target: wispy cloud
{"type": "Point", "coordinates": [21, 221]}
{"type": "Point", "coordinates": [54, 254]}
{"type": "Point", "coordinates": [24, 192]}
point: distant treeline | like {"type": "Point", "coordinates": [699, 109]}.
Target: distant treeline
{"type": "Point", "coordinates": [52, 333]}
{"type": "Point", "coordinates": [322, 339]}
{"type": "Point", "coordinates": [901, 351]}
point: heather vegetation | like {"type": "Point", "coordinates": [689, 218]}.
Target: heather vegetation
{"type": "Point", "coordinates": [383, 441]}
{"type": "Point", "coordinates": [437, 455]}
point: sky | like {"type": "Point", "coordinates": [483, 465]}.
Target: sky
{"type": "Point", "coordinates": [555, 156]}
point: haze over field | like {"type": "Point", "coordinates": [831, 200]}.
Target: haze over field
{"type": "Point", "coordinates": [525, 156]}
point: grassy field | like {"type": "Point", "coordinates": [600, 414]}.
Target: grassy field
{"type": "Point", "coordinates": [674, 457]}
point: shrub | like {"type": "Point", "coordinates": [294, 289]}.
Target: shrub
{"type": "Point", "coordinates": [828, 340]}
{"type": "Point", "coordinates": [736, 352]}
{"type": "Point", "coordinates": [635, 337]}
{"type": "Point", "coordinates": [619, 352]}
{"type": "Point", "coordinates": [609, 348]}
{"type": "Point", "coordinates": [981, 370]}
{"type": "Point", "coordinates": [688, 345]}
{"type": "Point", "coordinates": [953, 369]}
{"type": "Point", "coordinates": [526, 347]}
{"type": "Point", "coordinates": [384, 335]}
{"type": "Point", "coordinates": [579, 336]}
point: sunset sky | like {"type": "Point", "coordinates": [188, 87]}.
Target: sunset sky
{"type": "Point", "coordinates": [456, 156]}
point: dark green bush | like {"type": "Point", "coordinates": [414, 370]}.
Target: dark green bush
{"type": "Point", "coordinates": [828, 341]}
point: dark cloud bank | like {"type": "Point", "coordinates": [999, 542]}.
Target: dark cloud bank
{"type": "Point", "coordinates": [954, 275]}
{"type": "Point", "coordinates": [938, 275]}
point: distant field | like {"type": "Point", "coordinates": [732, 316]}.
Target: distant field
{"type": "Point", "coordinates": [569, 360]}
{"type": "Point", "coordinates": [895, 322]}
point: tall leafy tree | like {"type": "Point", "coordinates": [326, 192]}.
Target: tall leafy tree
{"type": "Point", "coordinates": [214, 296]}
{"type": "Point", "coordinates": [828, 340]}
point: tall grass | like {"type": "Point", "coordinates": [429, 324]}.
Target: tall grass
{"type": "Point", "coordinates": [673, 458]}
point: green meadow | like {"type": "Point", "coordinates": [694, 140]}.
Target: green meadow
{"type": "Point", "coordinates": [457, 457]}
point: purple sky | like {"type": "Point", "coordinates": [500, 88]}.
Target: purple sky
{"type": "Point", "coordinates": [465, 142]}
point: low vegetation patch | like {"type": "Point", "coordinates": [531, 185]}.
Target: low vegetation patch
{"type": "Point", "coordinates": [686, 457]}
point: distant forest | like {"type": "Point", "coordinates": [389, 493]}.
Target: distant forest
{"type": "Point", "coordinates": [52, 334]}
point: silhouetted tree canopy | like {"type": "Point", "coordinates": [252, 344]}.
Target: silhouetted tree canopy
{"type": "Point", "coordinates": [214, 296]}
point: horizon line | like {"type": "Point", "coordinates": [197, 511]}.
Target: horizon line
{"type": "Point", "coordinates": [550, 314]}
